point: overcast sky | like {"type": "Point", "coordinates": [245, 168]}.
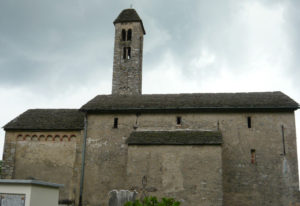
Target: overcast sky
{"type": "Point", "coordinates": [59, 53]}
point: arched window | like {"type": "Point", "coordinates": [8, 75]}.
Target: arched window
{"type": "Point", "coordinates": [123, 35]}
{"type": "Point", "coordinates": [129, 33]}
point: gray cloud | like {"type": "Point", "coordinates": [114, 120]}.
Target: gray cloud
{"type": "Point", "coordinates": [54, 43]}
{"type": "Point", "coordinates": [48, 45]}
{"type": "Point", "coordinates": [292, 19]}
{"type": "Point", "coordinates": [70, 42]}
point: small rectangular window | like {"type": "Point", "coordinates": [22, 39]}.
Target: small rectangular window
{"type": "Point", "coordinates": [249, 122]}
{"type": "Point", "coordinates": [178, 121]}
{"type": "Point", "coordinates": [253, 156]}
{"type": "Point", "coordinates": [115, 122]}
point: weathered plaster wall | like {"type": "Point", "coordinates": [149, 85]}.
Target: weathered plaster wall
{"type": "Point", "coordinates": [192, 174]}
{"type": "Point", "coordinates": [49, 156]}
{"type": "Point", "coordinates": [106, 157]}
{"type": "Point", "coordinates": [272, 180]}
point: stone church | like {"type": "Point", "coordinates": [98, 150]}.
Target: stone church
{"type": "Point", "coordinates": [204, 149]}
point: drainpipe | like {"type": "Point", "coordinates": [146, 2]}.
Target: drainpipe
{"type": "Point", "coordinates": [83, 159]}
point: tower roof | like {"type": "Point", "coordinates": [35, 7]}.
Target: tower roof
{"type": "Point", "coordinates": [129, 15]}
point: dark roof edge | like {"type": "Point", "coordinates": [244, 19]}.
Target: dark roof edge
{"type": "Point", "coordinates": [173, 144]}
{"type": "Point", "coordinates": [208, 109]}
{"type": "Point", "coordinates": [177, 137]}
{"type": "Point", "coordinates": [41, 130]}
{"type": "Point", "coordinates": [216, 140]}
{"type": "Point", "coordinates": [32, 182]}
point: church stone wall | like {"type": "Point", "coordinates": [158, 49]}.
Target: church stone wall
{"type": "Point", "coordinates": [48, 156]}
{"type": "Point", "coordinates": [106, 157]}
{"type": "Point", "coordinates": [8, 165]}
{"type": "Point", "coordinates": [271, 179]}
{"type": "Point", "coordinates": [192, 174]}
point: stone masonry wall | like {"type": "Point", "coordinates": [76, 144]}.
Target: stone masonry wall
{"type": "Point", "coordinates": [9, 152]}
{"type": "Point", "coordinates": [48, 156]}
{"type": "Point", "coordinates": [127, 73]}
{"type": "Point", "coordinates": [272, 179]}
{"type": "Point", "coordinates": [106, 157]}
{"type": "Point", "coordinates": [192, 174]}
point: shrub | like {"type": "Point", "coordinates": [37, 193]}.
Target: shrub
{"type": "Point", "coordinates": [152, 201]}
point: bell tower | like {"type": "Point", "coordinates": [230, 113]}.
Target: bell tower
{"type": "Point", "coordinates": [128, 54]}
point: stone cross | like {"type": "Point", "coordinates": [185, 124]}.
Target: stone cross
{"type": "Point", "coordinates": [144, 190]}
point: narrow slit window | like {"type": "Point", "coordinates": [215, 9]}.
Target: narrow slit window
{"type": "Point", "coordinates": [283, 139]}
{"type": "Point", "coordinates": [124, 53]}
{"type": "Point", "coordinates": [129, 34]}
{"type": "Point", "coordinates": [253, 156]}
{"type": "Point", "coordinates": [128, 52]}
{"type": "Point", "coordinates": [123, 35]}
{"type": "Point", "coordinates": [115, 122]}
{"type": "Point", "coordinates": [178, 120]}
{"type": "Point", "coordinates": [249, 122]}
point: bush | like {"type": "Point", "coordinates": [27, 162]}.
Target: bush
{"type": "Point", "coordinates": [152, 201]}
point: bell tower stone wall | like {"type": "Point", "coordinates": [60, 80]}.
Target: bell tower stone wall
{"type": "Point", "coordinates": [128, 56]}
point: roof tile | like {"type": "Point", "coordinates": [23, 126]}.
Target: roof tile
{"type": "Point", "coordinates": [178, 137]}
{"type": "Point", "coordinates": [47, 119]}
{"type": "Point", "coordinates": [197, 101]}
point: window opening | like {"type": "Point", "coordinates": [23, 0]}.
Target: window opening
{"type": "Point", "coordinates": [249, 122]}
{"type": "Point", "coordinates": [129, 32]}
{"type": "Point", "coordinates": [124, 53]}
{"type": "Point", "coordinates": [123, 35]}
{"type": "Point", "coordinates": [253, 156]}
{"type": "Point", "coordinates": [178, 120]}
{"type": "Point", "coordinates": [115, 122]}
{"type": "Point", "coordinates": [283, 139]}
{"type": "Point", "coordinates": [128, 52]}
